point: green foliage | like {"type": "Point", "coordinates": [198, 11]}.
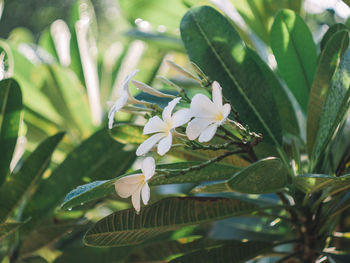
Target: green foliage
{"type": "Point", "coordinates": [295, 52]}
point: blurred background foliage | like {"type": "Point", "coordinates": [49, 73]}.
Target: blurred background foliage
{"type": "Point", "coordinates": [68, 58]}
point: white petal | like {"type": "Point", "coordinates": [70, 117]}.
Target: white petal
{"type": "Point", "coordinates": [225, 111]}
{"type": "Point", "coordinates": [120, 103]}
{"type": "Point", "coordinates": [169, 109]}
{"type": "Point", "coordinates": [196, 126]}
{"type": "Point", "coordinates": [208, 133]}
{"type": "Point", "coordinates": [155, 124]}
{"type": "Point", "coordinates": [146, 192]}
{"type": "Point", "coordinates": [181, 117]}
{"type": "Point", "coordinates": [148, 167]}
{"type": "Point", "coordinates": [127, 185]}
{"type": "Point", "coordinates": [145, 88]}
{"type": "Point", "coordinates": [125, 84]}
{"type": "Point", "coordinates": [149, 143]}
{"type": "Point", "coordinates": [217, 94]}
{"type": "Point", "coordinates": [164, 145]}
{"type": "Point", "coordinates": [135, 199]}
{"type": "Point", "coordinates": [203, 107]}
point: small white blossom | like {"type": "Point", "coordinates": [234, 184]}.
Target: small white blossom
{"type": "Point", "coordinates": [136, 185]}
{"type": "Point", "coordinates": [124, 97]}
{"type": "Point", "coordinates": [163, 128]}
{"type": "Point", "coordinates": [209, 115]}
{"type": "Point", "coordinates": [145, 88]}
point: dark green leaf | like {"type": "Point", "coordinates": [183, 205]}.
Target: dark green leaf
{"type": "Point", "coordinates": [99, 189]}
{"type": "Point", "coordinates": [233, 252]}
{"type": "Point", "coordinates": [97, 157]}
{"type": "Point", "coordinates": [127, 228]}
{"type": "Point", "coordinates": [20, 184]}
{"type": "Point", "coordinates": [295, 53]}
{"type": "Point", "coordinates": [331, 32]}
{"type": "Point", "coordinates": [310, 183]}
{"type": "Point", "coordinates": [328, 62]}
{"type": "Point", "coordinates": [10, 116]}
{"type": "Point", "coordinates": [335, 107]}
{"type": "Point", "coordinates": [8, 228]}
{"type": "Point", "coordinates": [215, 46]}
{"type": "Point", "coordinates": [265, 176]}
{"type": "Point", "coordinates": [128, 133]}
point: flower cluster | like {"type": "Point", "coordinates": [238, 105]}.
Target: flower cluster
{"type": "Point", "coordinates": [203, 118]}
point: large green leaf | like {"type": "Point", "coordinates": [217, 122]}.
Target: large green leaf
{"type": "Point", "coordinates": [215, 46]}
{"type": "Point", "coordinates": [335, 107]}
{"type": "Point", "coordinates": [127, 228]}
{"type": "Point", "coordinates": [20, 184]}
{"type": "Point", "coordinates": [295, 53]}
{"type": "Point", "coordinates": [259, 14]}
{"type": "Point", "coordinates": [234, 251]}
{"type": "Point", "coordinates": [331, 32]}
{"type": "Point", "coordinates": [265, 176]}
{"type": "Point", "coordinates": [128, 133]}
{"type": "Point", "coordinates": [97, 157]}
{"type": "Point", "coordinates": [10, 116]}
{"type": "Point", "coordinates": [328, 62]}
{"type": "Point", "coordinates": [99, 189]}
{"type": "Point", "coordinates": [8, 228]}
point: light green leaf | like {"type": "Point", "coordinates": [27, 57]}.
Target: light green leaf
{"type": "Point", "coordinates": [265, 176]}
{"type": "Point", "coordinates": [128, 133]}
{"type": "Point", "coordinates": [8, 228]}
{"type": "Point", "coordinates": [328, 62]}
{"type": "Point", "coordinates": [100, 189]}
{"type": "Point", "coordinates": [335, 107]}
{"type": "Point", "coordinates": [215, 46]}
{"type": "Point", "coordinates": [97, 157]}
{"type": "Point", "coordinates": [10, 116]}
{"type": "Point", "coordinates": [126, 228]}
{"type": "Point", "coordinates": [295, 53]}
{"type": "Point", "coordinates": [20, 184]}
{"type": "Point", "coordinates": [233, 251]}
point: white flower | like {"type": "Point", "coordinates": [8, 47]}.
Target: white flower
{"type": "Point", "coordinates": [163, 128]}
{"type": "Point", "coordinates": [136, 185]}
{"type": "Point", "coordinates": [124, 97]}
{"type": "Point", "coordinates": [209, 115]}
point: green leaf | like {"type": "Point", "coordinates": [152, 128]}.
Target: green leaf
{"type": "Point", "coordinates": [331, 32]}
{"type": "Point", "coordinates": [45, 236]}
{"type": "Point", "coordinates": [328, 62]}
{"type": "Point", "coordinates": [10, 116]}
{"type": "Point", "coordinates": [98, 156]}
{"type": "Point", "coordinates": [310, 183]}
{"type": "Point", "coordinates": [295, 53]}
{"type": "Point", "coordinates": [8, 228]}
{"type": "Point", "coordinates": [20, 184]}
{"type": "Point", "coordinates": [215, 46]}
{"type": "Point", "coordinates": [127, 228]}
{"type": "Point", "coordinates": [100, 189]}
{"type": "Point", "coordinates": [265, 176]}
{"type": "Point", "coordinates": [128, 133]}
{"type": "Point", "coordinates": [234, 251]}
{"type": "Point", "coordinates": [335, 107]}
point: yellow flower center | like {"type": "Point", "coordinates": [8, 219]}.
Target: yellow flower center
{"type": "Point", "coordinates": [219, 116]}
{"type": "Point", "coordinates": [143, 178]}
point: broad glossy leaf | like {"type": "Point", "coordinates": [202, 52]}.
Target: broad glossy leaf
{"type": "Point", "coordinates": [127, 228]}
{"type": "Point", "coordinates": [295, 53]}
{"type": "Point", "coordinates": [97, 157]}
{"type": "Point", "coordinates": [235, 251]}
{"type": "Point", "coordinates": [328, 62]}
{"type": "Point", "coordinates": [99, 189]}
{"type": "Point", "coordinates": [331, 32]}
{"type": "Point", "coordinates": [215, 46]}
{"type": "Point", "coordinates": [8, 228]}
{"type": "Point", "coordinates": [335, 107]}
{"type": "Point", "coordinates": [21, 183]}
{"type": "Point", "coordinates": [265, 176]}
{"type": "Point", "coordinates": [10, 116]}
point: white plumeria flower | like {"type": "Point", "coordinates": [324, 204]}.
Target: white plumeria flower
{"type": "Point", "coordinates": [136, 185]}
{"type": "Point", "coordinates": [209, 115]}
{"type": "Point", "coordinates": [163, 128]}
{"type": "Point", "coordinates": [124, 97]}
